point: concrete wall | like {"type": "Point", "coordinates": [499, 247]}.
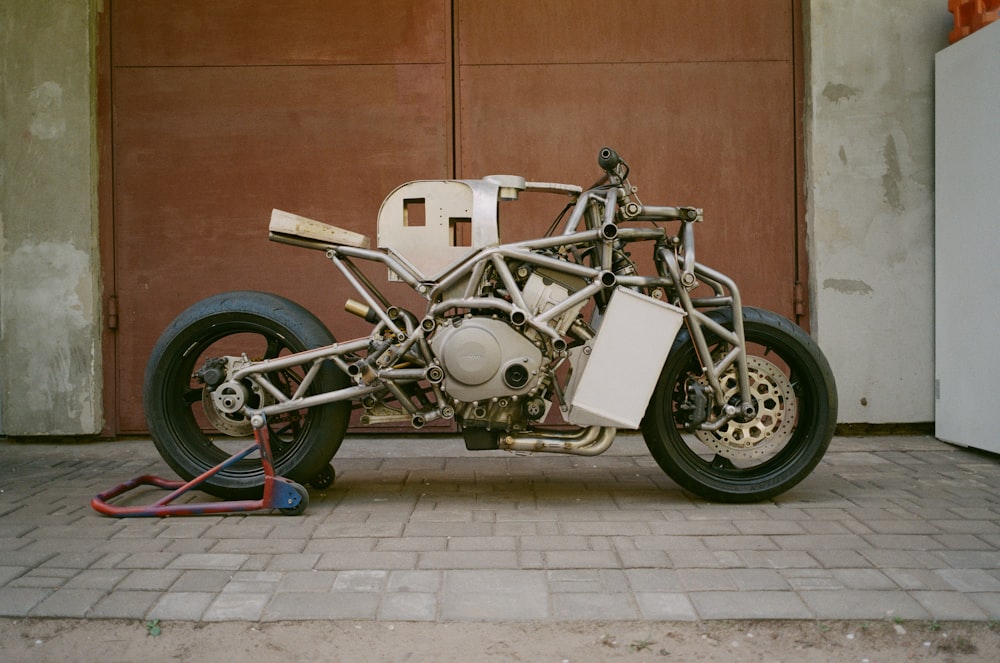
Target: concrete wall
{"type": "Point", "coordinates": [870, 189]}
{"type": "Point", "coordinates": [869, 166]}
{"type": "Point", "coordinates": [50, 363]}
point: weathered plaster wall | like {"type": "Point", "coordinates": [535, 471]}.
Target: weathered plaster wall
{"type": "Point", "coordinates": [870, 199]}
{"type": "Point", "coordinates": [50, 377]}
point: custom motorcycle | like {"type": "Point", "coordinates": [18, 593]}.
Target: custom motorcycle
{"type": "Point", "coordinates": [548, 345]}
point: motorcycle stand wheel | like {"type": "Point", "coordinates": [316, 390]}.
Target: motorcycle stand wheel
{"type": "Point", "coordinates": [303, 501]}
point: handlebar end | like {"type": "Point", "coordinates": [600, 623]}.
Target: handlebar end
{"type": "Point", "coordinates": [608, 159]}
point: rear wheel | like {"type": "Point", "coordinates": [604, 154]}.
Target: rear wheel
{"type": "Point", "coordinates": [190, 431]}
{"type": "Point", "coordinates": [745, 461]}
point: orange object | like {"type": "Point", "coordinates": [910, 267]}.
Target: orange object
{"type": "Point", "coordinates": [971, 15]}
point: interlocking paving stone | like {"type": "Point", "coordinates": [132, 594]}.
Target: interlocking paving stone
{"type": "Point", "coordinates": [758, 579]}
{"type": "Point", "coordinates": [409, 606]}
{"type": "Point", "coordinates": [202, 580]}
{"type": "Point", "coordinates": [749, 605]}
{"type": "Point", "coordinates": [125, 604]}
{"type": "Point", "coordinates": [464, 559]}
{"type": "Point", "coordinates": [969, 580]}
{"type": "Point", "coordinates": [241, 606]}
{"type": "Point", "coordinates": [665, 606]}
{"type": "Point", "coordinates": [580, 559]}
{"type": "Point", "coordinates": [594, 606]}
{"type": "Point", "coordinates": [414, 529]}
{"type": "Point", "coordinates": [9, 573]}
{"type": "Point", "coordinates": [209, 561]}
{"type": "Point", "coordinates": [68, 603]}
{"type": "Point", "coordinates": [414, 581]}
{"type": "Point", "coordinates": [348, 560]}
{"type": "Point", "coordinates": [307, 581]}
{"type": "Point", "coordinates": [841, 559]}
{"type": "Point", "coordinates": [18, 601]}
{"type": "Point", "coordinates": [96, 579]}
{"type": "Point", "coordinates": [494, 595]}
{"type": "Point", "coordinates": [181, 606]}
{"type": "Point", "coordinates": [778, 559]}
{"type": "Point", "coordinates": [292, 562]}
{"type": "Point", "coordinates": [322, 605]}
{"type": "Point", "coordinates": [153, 580]}
{"type": "Point", "coordinates": [360, 581]}
{"type": "Point", "coordinates": [654, 580]}
{"type": "Point", "coordinates": [989, 602]}
{"type": "Point", "coordinates": [949, 606]}
{"type": "Point", "coordinates": [863, 604]}
{"type": "Point", "coordinates": [864, 579]}
{"type": "Point", "coordinates": [700, 580]}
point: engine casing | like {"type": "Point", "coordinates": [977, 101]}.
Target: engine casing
{"type": "Point", "coordinates": [485, 358]}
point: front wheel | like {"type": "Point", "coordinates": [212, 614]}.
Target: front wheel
{"type": "Point", "coordinates": [745, 461]}
{"type": "Point", "coordinates": [193, 435]}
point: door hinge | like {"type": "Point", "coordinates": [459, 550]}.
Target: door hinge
{"type": "Point", "coordinates": [113, 312]}
{"type": "Point", "coordinates": [798, 299]}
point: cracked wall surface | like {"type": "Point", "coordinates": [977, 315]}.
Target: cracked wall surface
{"type": "Point", "coordinates": [50, 364]}
{"type": "Point", "coordinates": [870, 200]}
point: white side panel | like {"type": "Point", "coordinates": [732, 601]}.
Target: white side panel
{"type": "Point", "coordinates": [967, 240]}
{"type": "Point", "coordinates": [612, 385]}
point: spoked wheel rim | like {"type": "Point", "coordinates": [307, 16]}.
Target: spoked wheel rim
{"type": "Point", "coordinates": [772, 427]}
{"type": "Point", "coordinates": [207, 436]}
{"type": "Point", "coordinates": [750, 450]}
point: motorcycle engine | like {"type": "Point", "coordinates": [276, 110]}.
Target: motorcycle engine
{"type": "Point", "coordinates": [485, 358]}
{"type": "Point", "coordinates": [546, 288]}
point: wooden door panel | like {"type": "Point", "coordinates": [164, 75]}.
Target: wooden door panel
{"type": "Point", "coordinates": [711, 135]}
{"type": "Point", "coordinates": [247, 32]}
{"type": "Point", "coordinates": [202, 156]}
{"type": "Point", "coordinates": [223, 110]}
{"type": "Point", "coordinates": [623, 31]}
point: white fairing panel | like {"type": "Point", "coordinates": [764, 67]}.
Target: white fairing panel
{"type": "Point", "coordinates": [615, 374]}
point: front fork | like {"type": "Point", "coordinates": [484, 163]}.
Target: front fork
{"type": "Point", "coordinates": [685, 273]}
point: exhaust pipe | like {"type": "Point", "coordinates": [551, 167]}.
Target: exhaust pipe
{"type": "Point", "coordinates": [591, 441]}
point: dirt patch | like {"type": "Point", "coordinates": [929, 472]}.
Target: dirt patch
{"type": "Point", "coordinates": [562, 642]}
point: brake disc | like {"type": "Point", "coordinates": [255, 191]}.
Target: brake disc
{"type": "Point", "coordinates": [232, 424]}
{"type": "Point", "coordinates": [777, 414]}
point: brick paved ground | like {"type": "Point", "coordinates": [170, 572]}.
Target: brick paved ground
{"type": "Point", "coordinates": [419, 529]}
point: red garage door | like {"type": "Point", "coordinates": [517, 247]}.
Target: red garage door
{"type": "Point", "coordinates": [221, 111]}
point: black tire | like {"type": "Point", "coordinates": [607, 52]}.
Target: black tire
{"type": "Point", "coordinates": [324, 479]}
{"type": "Point", "coordinates": [192, 437]}
{"type": "Point", "coordinates": [756, 460]}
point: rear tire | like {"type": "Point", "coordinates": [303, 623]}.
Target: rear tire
{"type": "Point", "coordinates": [192, 437]}
{"type": "Point", "coordinates": [756, 460]}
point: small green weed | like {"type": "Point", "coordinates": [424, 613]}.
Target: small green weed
{"type": "Point", "coordinates": [641, 645]}
{"type": "Point", "coordinates": [153, 627]}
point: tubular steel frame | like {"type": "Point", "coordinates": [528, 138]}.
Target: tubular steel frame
{"type": "Point", "coordinates": [398, 337]}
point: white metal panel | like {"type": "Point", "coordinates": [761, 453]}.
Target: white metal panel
{"type": "Point", "coordinates": [431, 245]}
{"type": "Point", "coordinates": [967, 241]}
{"type": "Point", "coordinates": [612, 384]}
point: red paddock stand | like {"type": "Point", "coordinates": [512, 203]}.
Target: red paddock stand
{"type": "Point", "coordinates": [279, 493]}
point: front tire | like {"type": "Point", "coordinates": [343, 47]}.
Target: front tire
{"type": "Point", "coordinates": [193, 437]}
{"type": "Point", "coordinates": [756, 460]}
